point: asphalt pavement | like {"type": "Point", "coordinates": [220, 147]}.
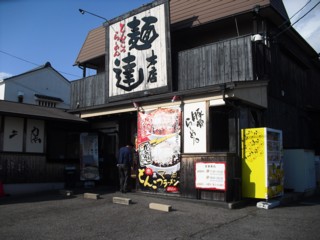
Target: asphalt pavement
{"type": "Point", "coordinates": [53, 215]}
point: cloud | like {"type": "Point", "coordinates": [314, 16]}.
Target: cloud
{"type": "Point", "coordinates": [4, 75]}
{"type": "Point", "coordinates": [292, 6]}
{"type": "Point", "coordinates": [309, 26]}
{"type": "Point", "coordinates": [313, 40]}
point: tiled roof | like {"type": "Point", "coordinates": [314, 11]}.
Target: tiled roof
{"type": "Point", "coordinates": [45, 97]}
{"type": "Point", "coordinates": [94, 45]}
{"type": "Point", "coordinates": [46, 65]}
{"type": "Point", "coordinates": [28, 110]}
{"type": "Point", "coordinates": [196, 12]}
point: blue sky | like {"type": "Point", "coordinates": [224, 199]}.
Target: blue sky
{"type": "Point", "coordinates": [51, 30]}
{"type": "Point", "coordinates": [33, 32]}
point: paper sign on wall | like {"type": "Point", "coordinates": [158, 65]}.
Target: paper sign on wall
{"type": "Point", "coordinates": [210, 175]}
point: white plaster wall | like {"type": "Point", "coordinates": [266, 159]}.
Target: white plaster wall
{"type": "Point", "coordinates": [44, 81]}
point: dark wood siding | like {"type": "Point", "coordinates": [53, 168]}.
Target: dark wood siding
{"type": "Point", "coordinates": [90, 91]}
{"type": "Point", "coordinates": [21, 168]}
{"type": "Point", "coordinates": [218, 63]}
{"type": "Point", "coordinates": [279, 6]}
{"type": "Point", "coordinates": [187, 177]}
{"type": "Point", "coordinates": [222, 62]}
{"type": "Point", "coordinates": [293, 99]}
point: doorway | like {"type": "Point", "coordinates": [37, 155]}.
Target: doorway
{"type": "Point", "coordinates": [114, 132]}
{"type": "Point", "coordinates": [108, 148]}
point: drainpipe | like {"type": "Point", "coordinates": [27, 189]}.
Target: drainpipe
{"type": "Point", "coordinates": [84, 69]}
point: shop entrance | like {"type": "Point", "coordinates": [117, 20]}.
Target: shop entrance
{"type": "Point", "coordinates": [114, 132]}
{"type": "Point", "coordinates": [108, 145]}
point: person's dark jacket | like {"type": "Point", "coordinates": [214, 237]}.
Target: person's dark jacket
{"type": "Point", "coordinates": [125, 156]}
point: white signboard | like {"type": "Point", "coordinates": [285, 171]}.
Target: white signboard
{"type": "Point", "coordinates": [13, 134]}
{"type": "Point", "coordinates": [35, 136]}
{"type": "Point", "coordinates": [89, 157]}
{"type": "Point", "coordinates": [138, 52]}
{"type": "Point", "coordinates": [195, 128]}
{"type": "Point", "coordinates": [209, 175]}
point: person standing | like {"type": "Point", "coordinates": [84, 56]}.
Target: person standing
{"type": "Point", "coordinates": [124, 166]}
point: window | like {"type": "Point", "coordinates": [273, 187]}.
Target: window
{"type": "Point", "coordinates": [63, 145]}
{"type": "Point", "coordinates": [46, 104]}
{"type": "Point", "coordinates": [47, 101]}
{"type": "Point", "coordinates": [220, 129]}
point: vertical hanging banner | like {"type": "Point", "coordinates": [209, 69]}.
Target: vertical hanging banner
{"type": "Point", "coordinates": [158, 143]}
{"type": "Point", "coordinates": [35, 136]}
{"type": "Point", "coordinates": [137, 51]}
{"type": "Point", "coordinates": [13, 134]}
{"type": "Point", "coordinates": [89, 158]}
{"type": "Point", "coordinates": [195, 128]}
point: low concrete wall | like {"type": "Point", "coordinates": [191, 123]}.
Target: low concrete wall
{"type": "Point", "coordinates": [24, 188]}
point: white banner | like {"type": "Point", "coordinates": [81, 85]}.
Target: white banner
{"type": "Point", "coordinates": [195, 127]}
{"type": "Point", "coordinates": [35, 136]}
{"type": "Point", "coordinates": [13, 134]}
{"type": "Point", "coordinates": [138, 52]}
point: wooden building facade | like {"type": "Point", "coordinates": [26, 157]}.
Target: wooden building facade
{"type": "Point", "coordinates": [228, 66]}
{"type": "Point", "coordinates": [36, 145]}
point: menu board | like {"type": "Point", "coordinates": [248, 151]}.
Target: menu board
{"type": "Point", "coordinates": [210, 175]}
{"type": "Point", "coordinates": [89, 158]}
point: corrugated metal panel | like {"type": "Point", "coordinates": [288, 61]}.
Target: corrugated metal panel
{"type": "Point", "coordinates": [94, 45]}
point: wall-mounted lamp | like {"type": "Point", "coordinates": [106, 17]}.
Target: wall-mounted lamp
{"type": "Point", "coordinates": [84, 11]}
{"type": "Point", "coordinates": [256, 9]}
{"type": "Point", "coordinates": [256, 38]}
{"type": "Point", "coordinates": [175, 98]}
{"type": "Point", "coordinates": [20, 96]}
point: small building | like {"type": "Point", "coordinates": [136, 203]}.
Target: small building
{"type": "Point", "coordinates": [43, 86]}
{"type": "Point", "coordinates": [36, 145]}
{"type": "Point", "coordinates": [38, 137]}
{"type": "Point", "coordinates": [182, 78]}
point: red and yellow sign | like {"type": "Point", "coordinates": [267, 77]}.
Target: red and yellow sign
{"type": "Point", "coordinates": [158, 144]}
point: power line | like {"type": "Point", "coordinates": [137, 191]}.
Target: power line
{"type": "Point", "coordinates": [38, 65]}
{"type": "Point", "coordinates": [297, 20]}
{"type": "Point", "coordinates": [306, 13]}
{"type": "Point", "coordinates": [285, 22]}
{"type": "Point", "coordinates": [19, 58]}
{"type": "Point", "coordinates": [300, 9]}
